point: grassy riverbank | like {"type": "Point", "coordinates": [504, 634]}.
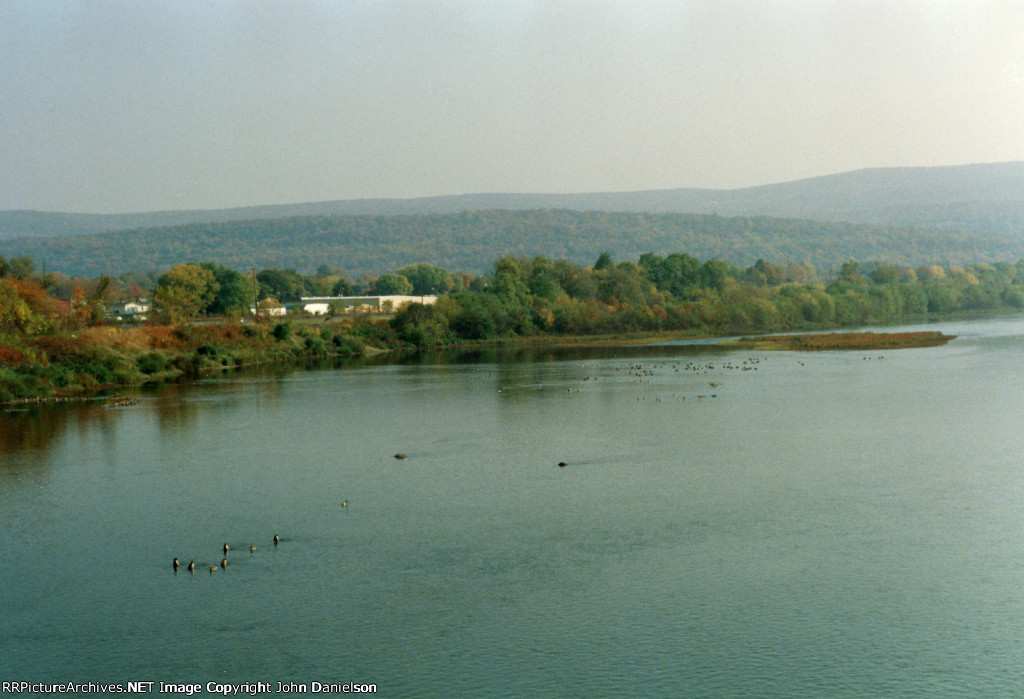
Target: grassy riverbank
{"type": "Point", "coordinates": [66, 366]}
{"type": "Point", "coordinates": [62, 365]}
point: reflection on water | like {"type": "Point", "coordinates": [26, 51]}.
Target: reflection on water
{"type": "Point", "coordinates": [178, 405]}
{"type": "Point", "coordinates": [31, 429]}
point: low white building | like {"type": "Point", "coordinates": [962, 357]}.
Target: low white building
{"type": "Point", "coordinates": [270, 310]}
{"type": "Point", "coordinates": [133, 310]}
{"type": "Point", "coordinates": [321, 305]}
{"type": "Point", "coordinates": [273, 311]}
{"type": "Point", "coordinates": [138, 307]}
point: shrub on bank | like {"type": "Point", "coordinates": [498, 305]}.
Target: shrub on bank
{"type": "Point", "coordinates": [347, 345]}
{"type": "Point", "coordinates": [151, 363]}
{"type": "Point", "coordinates": [282, 331]}
{"type": "Point", "coordinates": [15, 385]}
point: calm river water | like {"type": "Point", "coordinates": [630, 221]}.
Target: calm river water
{"type": "Point", "coordinates": [727, 524]}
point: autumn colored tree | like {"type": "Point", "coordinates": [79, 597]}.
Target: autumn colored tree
{"type": "Point", "coordinates": [184, 291]}
{"type": "Point", "coordinates": [81, 311]}
{"type": "Point", "coordinates": [24, 307]}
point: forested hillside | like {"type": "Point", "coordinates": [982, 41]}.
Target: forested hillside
{"type": "Point", "coordinates": [987, 197]}
{"type": "Point", "coordinates": [470, 241]}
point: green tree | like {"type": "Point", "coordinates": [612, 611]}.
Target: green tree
{"type": "Point", "coordinates": [851, 308]}
{"type": "Point", "coordinates": [510, 279]}
{"type": "Point", "coordinates": [284, 284]}
{"type": "Point", "coordinates": [927, 273]}
{"type": "Point", "coordinates": [544, 279]}
{"type": "Point", "coordinates": [915, 300]}
{"type": "Point", "coordinates": [942, 297]}
{"type": "Point", "coordinates": [282, 331]}
{"type": "Point", "coordinates": [715, 273]}
{"type": "Point", "coordinates": [391, 284]}
{"type": "Point", "coordinates": [234, 292]}
{"type": "Point", "coordinates": [342, 287]}
{"type": "Point", "coordinates": [767, 273]}
{"type": "Point", "coordinates": [576, 280]}
{"type": "Point", "coordinates": [427, 279]}
{"type": "Point", "coordinates": [885, 274]}
{"type": "Point", "coordinates": [624, 283]}
{"type": "Point", "coordinates": [175, 303]}
{"type": "Point", "coordinates": [979, 297]}
{"type": "Point", "coordinates": [850, 272]}
{"type": "Point", "coordinates": [474, 323]}
{"type": "Point", "coordinates": [886, 301]}
{"type": "Point", "coordinates": [676, 274]}
{"type": "Point", "coordinates": [21, 267]}
{"type": "Point", "coordinates": [421, 325]}
{"type": "Point", "coordinates": [96, 308]}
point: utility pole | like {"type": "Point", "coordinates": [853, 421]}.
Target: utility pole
{"type": "Point", "coordinates": [255, 295]}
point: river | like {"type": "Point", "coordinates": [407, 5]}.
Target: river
{"type": "Point", "coordinates": [726, 523]}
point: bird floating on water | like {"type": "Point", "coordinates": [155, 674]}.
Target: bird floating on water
{"type": "Point", "coordinates": [176, 564]}
{"type": "Point", "coordinates": [277, 539]}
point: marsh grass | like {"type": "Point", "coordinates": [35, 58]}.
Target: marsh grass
{"type": "Point", "coordinates": [842, 341]}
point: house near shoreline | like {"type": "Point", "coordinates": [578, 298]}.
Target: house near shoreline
{"type": "Point", "coordinates": [132, 310]}
{"type": "Point", "coordinates": [270, 308]}
{"type": "Point", "coordinates": [326, 305]}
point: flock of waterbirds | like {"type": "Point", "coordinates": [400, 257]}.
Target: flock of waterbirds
{"type": "Point", "coordinates": [191, 567]}
{"type": "Point", "coordinates": [642, 374]}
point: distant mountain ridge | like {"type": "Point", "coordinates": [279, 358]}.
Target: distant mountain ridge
{"type": "Point", "coordinates": [984, 197]}
{"type": "Point", "coordinates": [948, 215]}
{"type": "Point", "coordinates": [471, 241]}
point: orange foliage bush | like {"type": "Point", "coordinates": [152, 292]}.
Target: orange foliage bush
{"type": "Point", "coordinates": [163, 337]}
{"type": "Point", "coordinates": [10, 356]}
{"type": "Point", "coordinates": [224, 331]}
{"type": "Point", "coordinates": [59, 348]}
{"type": "Point", "coordinates": [36, 297]}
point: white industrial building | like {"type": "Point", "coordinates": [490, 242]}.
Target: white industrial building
{"type": "Point", "coordinates": [321, 305]}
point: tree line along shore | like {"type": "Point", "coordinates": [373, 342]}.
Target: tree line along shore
{"type": "Point", "coordinates": [58, 339]}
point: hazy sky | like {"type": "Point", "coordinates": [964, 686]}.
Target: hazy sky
{"type": "Point", "coordinates": [147, 104]}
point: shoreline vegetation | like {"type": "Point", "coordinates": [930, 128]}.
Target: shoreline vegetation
{"type": "Point", "coordinates": [818, 342]}
{"type": "Point", "coordinates": [58, 340]}
{"type": "Point", "coordinates": [190, 352]}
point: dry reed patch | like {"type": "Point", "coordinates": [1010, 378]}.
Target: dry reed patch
{"type": "Point", "coordinates": [163, 337]}
{"type": "Point", "coordinates": [843, 341]}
